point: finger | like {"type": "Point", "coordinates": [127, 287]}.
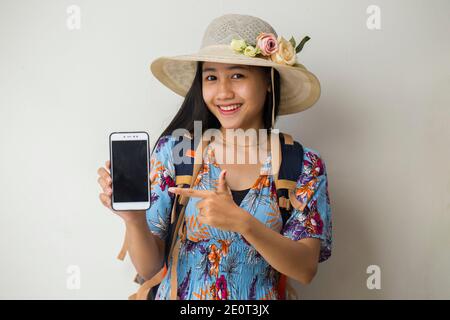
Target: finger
{"type": "Point", "coordinates": [108, 164]}
{"type": "Point", "coordinates": [191, 192]}
{"type": "Point", "coordinates": [106, 200]}
{"type": "Point", "coordinates": [105, 183]}
{"type": "Point", "coordinates": [102, 182]}
{"type": "Point", "coordinates": [222, 185]}
{"type": "Point", "coordinates": [102, 172]}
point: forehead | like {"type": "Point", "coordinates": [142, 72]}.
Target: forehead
{"type": "Point", "coordinates": [216, 66]}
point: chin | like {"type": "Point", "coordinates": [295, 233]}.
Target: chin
{"type": "Point", "coordinates": [230, 124]}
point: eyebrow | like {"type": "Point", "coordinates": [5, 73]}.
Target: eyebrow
{"type": "Point", "coordinates": [228, 68]}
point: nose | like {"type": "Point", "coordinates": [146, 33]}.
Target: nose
{"type": "Point", "coordinates": [224, 90]}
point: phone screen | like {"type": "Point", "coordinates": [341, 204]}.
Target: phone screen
{"type": "Point", "coordinates": [130, 177]}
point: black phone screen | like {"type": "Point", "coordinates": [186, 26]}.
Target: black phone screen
{"type": "Point", "coordinates": [129, 171]}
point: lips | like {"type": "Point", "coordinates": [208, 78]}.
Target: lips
{"type": "Point", "coordinates": [230, 109]}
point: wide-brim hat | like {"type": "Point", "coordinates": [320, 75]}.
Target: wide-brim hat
{"type": "Point", "coordinates": [299, 88]}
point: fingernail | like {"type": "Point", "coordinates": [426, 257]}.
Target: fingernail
{"type": "Point", "coordinates": [172, 189]}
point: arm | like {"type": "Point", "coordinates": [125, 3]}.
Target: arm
{"type": "Point", "coordinates": [145, 249]}
{"type": "Point", "coordinates": [296, 259]}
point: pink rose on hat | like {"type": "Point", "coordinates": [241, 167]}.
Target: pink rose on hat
{"type": "Point", "coordinates": [267, 43]}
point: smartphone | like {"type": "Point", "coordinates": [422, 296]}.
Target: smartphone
{"type": "Point", "coordinates": [130, 168]}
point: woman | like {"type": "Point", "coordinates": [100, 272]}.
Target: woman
{"type": "Point", "coordinates": [234, 245]}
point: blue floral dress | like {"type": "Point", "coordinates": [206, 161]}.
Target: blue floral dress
{"type": "Point", "coordinates": [221, 265]}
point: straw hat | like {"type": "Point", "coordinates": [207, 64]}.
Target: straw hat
{"type": "Point", "coordinates": [234, 39]}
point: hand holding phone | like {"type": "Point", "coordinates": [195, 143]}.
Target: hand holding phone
{"type": "Point", "coordinates": [105, 182]}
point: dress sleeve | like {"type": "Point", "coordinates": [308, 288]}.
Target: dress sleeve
{"type": "Point", "coordinates": [162, 176]}
{"type": "Point", "coordinates": [311, 216]}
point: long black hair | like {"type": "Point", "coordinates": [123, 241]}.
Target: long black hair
{"type": "Point", "coordinates": [194, 107]}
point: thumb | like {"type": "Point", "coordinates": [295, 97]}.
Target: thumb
{"type": "Point", "coordinates": [222, 186]}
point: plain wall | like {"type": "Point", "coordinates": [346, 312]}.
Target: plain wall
{"type": "Point", "coordinates": [381, 125]}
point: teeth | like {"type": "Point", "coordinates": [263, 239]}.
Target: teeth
{"type": "Point", "coordinates": [232, 107]}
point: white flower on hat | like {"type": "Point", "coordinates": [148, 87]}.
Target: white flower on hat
{"type": "Point", "coordinates": [250, 51]}
{"type": "Point", "coordinates": [238, 45]}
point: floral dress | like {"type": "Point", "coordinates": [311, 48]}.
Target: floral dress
{"type": "Point", "coordinates": [221, 265]}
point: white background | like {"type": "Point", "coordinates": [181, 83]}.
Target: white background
{"type": "Point", "coordinates": [381, 125]}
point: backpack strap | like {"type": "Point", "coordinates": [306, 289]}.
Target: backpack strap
{"type": "Point", "coordinates": [183, 178]}
{"type": "Point", "coordinates": [288, 173]}
{"type": "Point", "coordinates": [146, 286]}
{"type": "Point", "coordinates": [285, 184]}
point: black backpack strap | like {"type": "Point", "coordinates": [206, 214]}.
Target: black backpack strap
{"type": "Point", "coordinates": [183, 177]}
{"type": "Point", "coordinates": [290, 169]}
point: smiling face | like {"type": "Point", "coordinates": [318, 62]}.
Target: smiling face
{"type": "Point", "coordinates": [235, 94]}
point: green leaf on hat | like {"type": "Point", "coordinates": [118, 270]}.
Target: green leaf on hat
{"type": "Point", "coordinates": [301, 44]}
{"type": "Point", "coordinates": [292, 41]}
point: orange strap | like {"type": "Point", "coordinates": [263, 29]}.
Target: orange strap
{"type": "Point", "coordinates": [288, 139]}
{"type": "Point", "coordinates": [123, 251]}
{"type": "Point", "coordinates": [144, 289]}
{"type": "Point", "coordinates": [294, 202]}
{"type": "Point", "coordinates": [174, 251]}
{"type": "Point", "coordinates": [173, 272]}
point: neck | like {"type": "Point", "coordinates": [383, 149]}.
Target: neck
{"type": "Point", "coordinates": [243, 138]}
{"type": "Point", "coordinates": [233, 145]}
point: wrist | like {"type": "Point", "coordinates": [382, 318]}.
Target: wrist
{"type": "Point", "coordinates": [245, 224]}
{"type": "Point", "coordinates": [135, 220]}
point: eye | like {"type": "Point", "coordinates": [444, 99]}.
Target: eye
{"type": "Point", "coordinates": [207, 78]}
{"type": "Point", "coordinates": [238, 74]}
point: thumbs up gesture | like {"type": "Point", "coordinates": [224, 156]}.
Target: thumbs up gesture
{"type": "Point", "coordinates": [217, 207]}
